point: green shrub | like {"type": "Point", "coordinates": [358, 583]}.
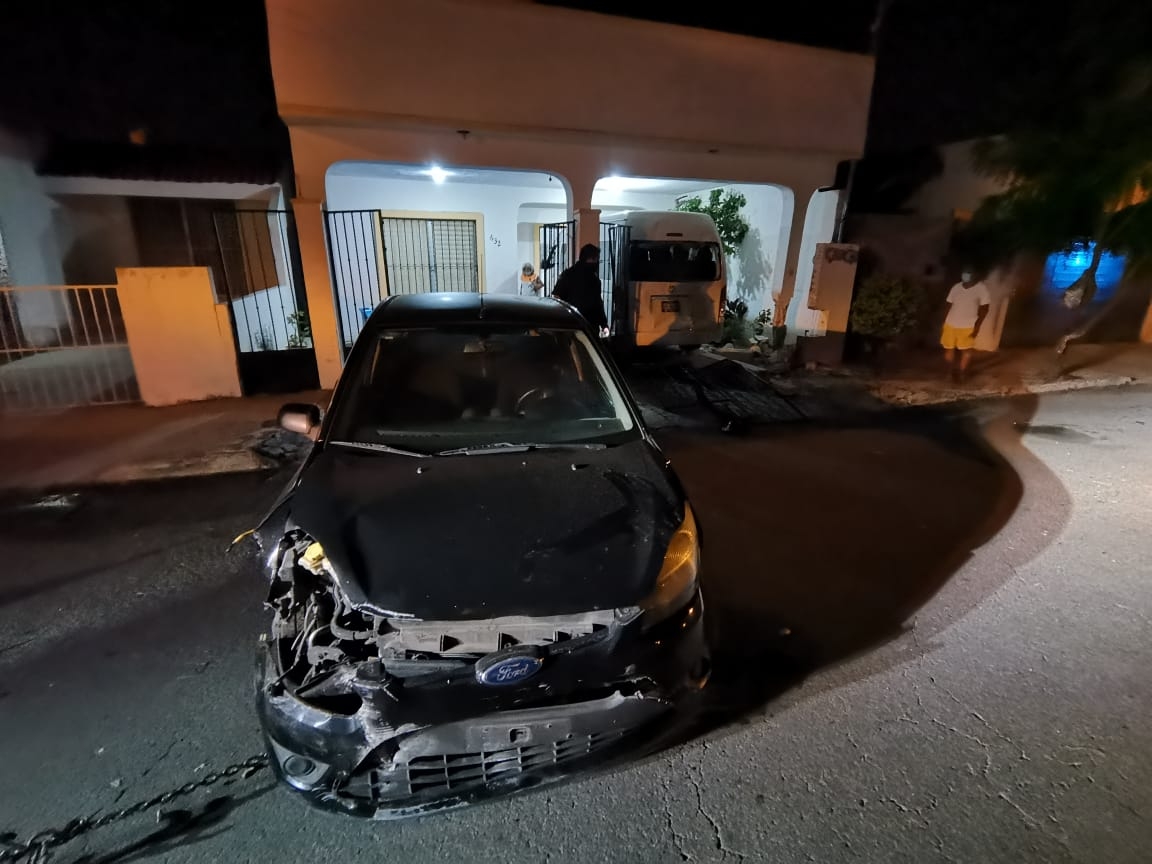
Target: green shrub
{"type": "Point", "coordinates": [736, 324]}
{"type": "Point", "coordinates": [886, 307]}
{"type": "Point", "coordinates": [723, 206]}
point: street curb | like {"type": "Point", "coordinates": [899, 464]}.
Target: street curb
{"type": "Point", "coordinates": [220, 462]}
{"type": "Point", "coordinates": [909, 394]}
{"type": "Point", "coordinates": [258, 451]}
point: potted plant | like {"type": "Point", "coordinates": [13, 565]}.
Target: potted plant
{"type": "Point", "coordinates": [765, 330]}
{"type": "Point", "coordinates": [736, 327]}
{"type": "Point", "coordinates": [762, 326]}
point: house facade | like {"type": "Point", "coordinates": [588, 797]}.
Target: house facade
{"type": "Point", "coordinates": [75, 219]}
{"type": "Point", "coordinates": [444, 144]}
{"type": "Point", "coordinates": [914, 239]}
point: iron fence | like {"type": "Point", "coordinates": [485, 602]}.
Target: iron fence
{"type": "Point", "coordinates": [256, 277]}
{"type": "Point", "coordinates": [424, 256]}
{"type": "Point", "coordinates": [613, 272]}
{"type": "Point", "coordinates": [63, 346]}
{"type": "Point", "coordinates": [372, 256]}
{"type": "Point", "coordinates": [557, 252]}
{"type": "Point", "coordinates": [354, 257]}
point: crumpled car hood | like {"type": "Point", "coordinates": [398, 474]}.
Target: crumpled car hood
{"type": "Point", "coordinates": [484, 536]}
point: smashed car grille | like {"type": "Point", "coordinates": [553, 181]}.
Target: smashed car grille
{"type": "Point", "coordinates": [454, 772]}
{"type": "Point", "coordinates": [456, 638]}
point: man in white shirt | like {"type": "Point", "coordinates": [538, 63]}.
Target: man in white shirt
{"type": "Point", "coordinates": [967, 306]}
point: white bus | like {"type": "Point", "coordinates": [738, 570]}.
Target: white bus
{"type": "Point", "coordinates": [665, 278]}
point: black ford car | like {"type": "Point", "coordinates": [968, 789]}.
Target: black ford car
{"type": "Point", "coordinates": [485, 574]}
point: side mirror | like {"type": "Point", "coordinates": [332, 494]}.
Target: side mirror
{"type": "Point", "coordinates": [301, 418]}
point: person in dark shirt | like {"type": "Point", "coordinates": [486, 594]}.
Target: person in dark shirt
{"type": "Point", "coordinates": [579, 286]}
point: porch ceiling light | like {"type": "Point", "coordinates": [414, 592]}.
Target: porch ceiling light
{"type": "Point", "coordinates": [438, 174]}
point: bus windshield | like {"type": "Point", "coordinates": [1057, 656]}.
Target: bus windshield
{"type": "Point", "coordinates": [676, 261]}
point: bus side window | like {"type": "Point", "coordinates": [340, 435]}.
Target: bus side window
{"type": "Point", "coordinates": [706, 264]}
{"type": "Point", "coordinates": [637, 261]}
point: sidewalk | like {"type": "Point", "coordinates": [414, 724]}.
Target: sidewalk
{"type": "Point", "coordinates": [922, 379]}
{"type": "Point", "coordinates": [125, 443]}
{"type": "Point", "coordinates": [1015, 372]}
{"type": "Point", "coordinates": [121, 444]}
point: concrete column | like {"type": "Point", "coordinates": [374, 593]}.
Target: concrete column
{"type": "Point", "coordinates": [1146, 328]}
{"type": "Point", "coordinates": [587, 227]}
{"type": "Point", "coordinates": [802, 198]}
{"type": "Point", "coordinates": [318, 286]}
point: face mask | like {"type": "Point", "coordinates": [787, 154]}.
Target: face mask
{"type": "Point", "coordinates": [967, 277]}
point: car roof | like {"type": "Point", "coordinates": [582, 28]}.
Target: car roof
{"type": "Point", "coordinates": [415, 310]}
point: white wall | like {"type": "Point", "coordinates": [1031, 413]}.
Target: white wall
{"type": "Point", "coordinates": [819, 226]}
{"type": "Point", "coordinates": [501, 237]}
{"type": "Point", "coordinates": [756, 271]}
{"type": "Point", "coordinates": [28, 226]}
{"type": "Point", "coordinates": [590, 96]}
{"type": "Point", "coordinates": [95, 235]}
{"type": "Point", "coordinates": [959, 187]}
{"type": "Point", "coordinates": [257, 195]}
{"type": "Point", "coordinates": [262, 319]}
{"type": "Point", "coordinates": [614, 200]}
{"type": "Point", "coordinates": [518, 64]}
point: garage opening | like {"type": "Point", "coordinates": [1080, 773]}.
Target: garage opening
{"type": "Point", "coordinates": [399, 228]}
{"type": "Point", "coordinates": [753, 221]}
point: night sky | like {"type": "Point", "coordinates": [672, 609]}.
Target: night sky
{"type": "Point", "coordinates": [190, 72]}
{"type": "Point", "coordinates": [197, 73]}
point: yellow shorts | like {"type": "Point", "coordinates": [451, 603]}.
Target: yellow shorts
{"type": "Point", "coordinates": [961, 338]}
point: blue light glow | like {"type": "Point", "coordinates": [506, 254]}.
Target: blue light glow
{"type": "Point", "coordinates": [1063, 268]}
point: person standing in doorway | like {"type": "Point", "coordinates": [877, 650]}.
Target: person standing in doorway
{"type": "Point", "coordinates": [579, 286]}
{"type": "Point", "coordinates": [967, 306]}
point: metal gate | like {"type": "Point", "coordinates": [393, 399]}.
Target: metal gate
{"type": "Point", "coordinates": [613, 273]}
{"type": "Point", "coordinates": [557, 252]}
{"type": "Point", "coordinates": [427, 256]}
{"type": "Point", "coordinates": [63, 346]}
{"type": "Point", "coordinates": [258, 276]}
{"type": "Point", "coordinates": [373, 255]}
{"type": "Point", "coordinates": [355, 256]}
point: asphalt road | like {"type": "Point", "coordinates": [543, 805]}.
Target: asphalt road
{"type": "Point", "coordinates": [930, 649]}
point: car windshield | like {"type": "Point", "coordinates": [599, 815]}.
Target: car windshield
{"type": "Point", "coordinates": [680, 261]}
{"type": "Point", "coordinates": [434, 390]}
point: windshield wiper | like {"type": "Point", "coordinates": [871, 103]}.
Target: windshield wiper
{"type": "Point", "coordinates": [507, 447]}
{"type": "Point", "coordinates": [378, 448]}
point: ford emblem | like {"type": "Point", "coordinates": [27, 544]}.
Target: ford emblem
{"type": "Point", "coordinates": [504, 667]}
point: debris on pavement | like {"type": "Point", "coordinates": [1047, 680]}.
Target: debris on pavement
{"type": "Point", "coordinates": [62, 502]}
{"type": "Point", "coordinates": [280, 445]}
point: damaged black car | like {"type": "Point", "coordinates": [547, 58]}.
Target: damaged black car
{"type": "Point", "coordinates": [484, 576]}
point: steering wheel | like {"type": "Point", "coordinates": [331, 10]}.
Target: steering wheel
{"type": "Point", "coordinates": [536, 394]}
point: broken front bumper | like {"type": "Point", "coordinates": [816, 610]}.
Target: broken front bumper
{"type": "Point", "coordinates": [409, 750]}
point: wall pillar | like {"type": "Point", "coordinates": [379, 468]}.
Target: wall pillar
{"type": "Point", "coordinates": [801, 200]}
{"type": "Point", "coordinates": [1146, 328]}
{"type": "Point", "coordinates": [179, 337]}
{"type": "Point", "coordinates": [587, 228]}
{"type": "Point", "coordinates": [318, 287]}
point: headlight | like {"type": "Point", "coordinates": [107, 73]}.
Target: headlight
{"type": "Point", "coordinates": [677, 580]}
